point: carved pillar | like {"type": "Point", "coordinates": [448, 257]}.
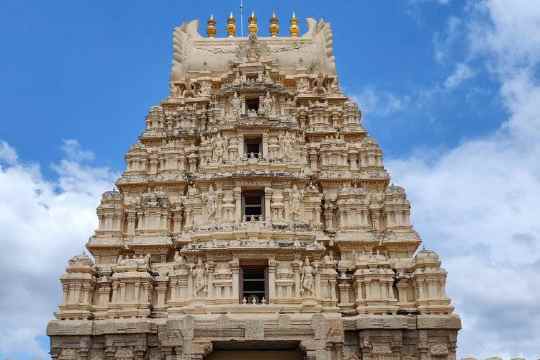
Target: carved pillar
{"type": "Point", "coordinates": [397, 344]}
{"type": "Point", "coordinates": [161, 290]}
{"type": "Point", "coordinates": [344, 287]}
{"type": "Point", "coordinates": [296, 270]}
{"type": "Point", "coordinates": [131, 221]}
{"type": "Point", "coordinates": [272, 264]}
{"type": "Point", "coordinates": [235, 269]}
{"type": "Point", "coordinates": [267, 209]}
{"type": "Point", "coordinates": [265, 152]}
{"type": "Point", "coordinates": [423, 346]}
{"type": "Point", "coordinates": [313, 160]}
{"type": "Point", "coordinates": [122, 293]}
{"type": "Point", "coordinates": [137, 297]}
{"type": "Point", "coordinates": [210, 281]}
{"type": "Point", "coordinates": [317, 287]}
{"type": "Point", "coordinates": [238, 202]}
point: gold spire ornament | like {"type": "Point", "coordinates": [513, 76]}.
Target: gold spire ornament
{"type": "Point", "coordinates": [294, 29]}
{"type": "Point", "coordinates": [211, 29]}
{"type": "Point", "coordinates": [274, 25]}
{"type": "Point", "coordinates": [252, 24]}
{"type": "Point", "coordinates": [231, 26]}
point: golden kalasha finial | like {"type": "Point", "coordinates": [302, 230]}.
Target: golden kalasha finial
{"type": "Point", "coordinates": [252, 24]}
{"type": "Point", "coordinates": [294, 29]}
{"type": "Point", "coordinates": [231, 26]}
{"type": "Point", "coordinates": [211, 29]}
{"type": "Point", "coordinates": [274, 25]}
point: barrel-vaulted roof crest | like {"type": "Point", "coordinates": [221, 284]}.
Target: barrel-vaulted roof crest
{"type": "Point", "coordinates": [211, 56]}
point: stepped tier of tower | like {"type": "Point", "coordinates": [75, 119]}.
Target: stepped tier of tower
{"type": "Point", "coordinates": [255, 191]}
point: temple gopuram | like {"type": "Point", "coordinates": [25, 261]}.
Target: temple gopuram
{"type": "Point", "coordinates": [254, 219]}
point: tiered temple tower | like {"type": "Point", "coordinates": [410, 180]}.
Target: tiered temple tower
{"type": "Point", "coordinates": [254, 219]}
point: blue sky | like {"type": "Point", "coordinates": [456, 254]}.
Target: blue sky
{"type": "Point", "coordinates": [91, 69]}
{"type": "Point", "coordinates": [449, 88]}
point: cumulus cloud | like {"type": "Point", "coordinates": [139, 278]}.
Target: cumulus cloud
{"type": "Point", "coordinates": [7, 153]}
{"type": "Point", "coordinates": [44, 223]}
{"type": "Point", "coordinates": [461, 73]}
{"type": "Point", "coordinates": [444, 42]}
{"type": "Point", "coordinates": [478, 203]}
{"type": "Point", "coordinates": [73, 151]}
{"type": "Point", "coordinates": [440, 2]}
{"type": "Point", "coordinates": [380, 103]}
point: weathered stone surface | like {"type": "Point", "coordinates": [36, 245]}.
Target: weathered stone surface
{"type": "Point", "coordinates": [256, 161]}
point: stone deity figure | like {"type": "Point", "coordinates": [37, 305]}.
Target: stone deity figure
{"type": "Point", "coordinates": [236, 105]}
{"type": "Point", "coordinates": [179, 258]}
{"type": "Point", "coordinates": [303, 85]}
{"type": "Point", "coordinates": [236, 80]}
{"type": "Point", "coordinates": [218, 149]}
{"type": "Point", "coordinates": [233, 148]}
{"type": "Point", "coordinates": [211, 203]}
{"type": "Point", "coordinates": [318, 85]}
{"type": "Point", "coordinates": [267, 104]}
{"type": "Point", "coordinates": [273, 148]}
{"type": "Point", "coordinates": [286, 146]}
{"type": "Point", "coordinates": [146, 259]}
{"type": "Point", "coordinates": [328, 259]}
{"type": "Point", "coordinates": [252, 50]}
{"type": "Point", "coordinates": [206, 88]}
{"type": "Point", "coordinates": [334, 86]}
{"type": "Point", "coordinates": [295, 201]}
{"type": "Point", "coordinates": [199, 275]}
{"type": "Point", "coordinates": [307, 278]}
{"type": "Point", "coordinates": [192, 190]}
{"type": "Point", "coordinates": [177, 90]}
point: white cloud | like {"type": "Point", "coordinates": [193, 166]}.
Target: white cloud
{"type": "Point", "coordinates": [461, 73]}
{"type": "Point", "coordinates": [73, 151]}
{"type": "Point", "coordinates": [445, 41]}
{"type": "Point", "coordinates": [380, 103]}
{"type": "Point", "coordinates": [43, 224]}
{"type": "Point", "coordinates": [440, 2]}
{"type": "Point", "coordinates": [478, 204]}
{"type": "Point", "coordinates": [7, 153]}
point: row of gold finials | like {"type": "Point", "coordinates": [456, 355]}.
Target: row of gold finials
{"type": "Point", "coordinates": [253, 28]}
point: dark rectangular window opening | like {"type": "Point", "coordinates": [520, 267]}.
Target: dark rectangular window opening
{"type": "Point", "coordinates": [253, 147]}
{"type": "Point", "coordinates": [253, 284]}
{"type": "Point", "coordinates": [253, 205]}
{"type": "Point", "coordinates": [252, 104]}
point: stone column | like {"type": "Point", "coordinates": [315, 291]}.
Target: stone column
{"type": "Point", "coordinates": [238, 204]}
{"type": "Point", "coordinates": [313, 159]}
{"type": "Point", "coordinates": [296, 269]}
{"type": "Point", "coordinates": [267, 209]}
{"type": "Point", "coordinates": [344, 289]}
{"type": "Point", "coordinates": [210, 284]}
{"type": "Point", "coordinates": [65, 287]}
{"type": "Point", "coordinates": [272, 264]}
{"type": "Point", "coordinates": [161, 290]}
{"type": "Point", "coordinates": [264, 149]}
{"type": "Point", "coordinates": [131, 220]}
{"type": "Point", "coordinates": [137, 296]}
{"type": "Point", "coordinates": [122, 292]}
{"type": "Point", "coordinates": [235, 268]}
